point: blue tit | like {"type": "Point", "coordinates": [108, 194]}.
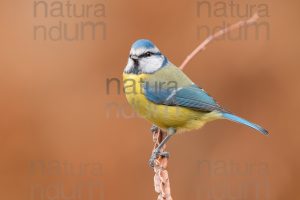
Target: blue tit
{"type": "Point", "coordinates": [160, 92]}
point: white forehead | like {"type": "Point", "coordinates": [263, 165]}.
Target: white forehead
{"type": "Point", "coordinates": [141, 50]}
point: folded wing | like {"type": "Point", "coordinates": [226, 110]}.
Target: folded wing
{"type": "Point", "coordinates": [190, 96]}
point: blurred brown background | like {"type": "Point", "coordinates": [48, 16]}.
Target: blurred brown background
{"type": "Point", "coordinates": [54, 105]}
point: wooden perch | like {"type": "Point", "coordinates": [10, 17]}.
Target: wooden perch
{"type": "Point", "coordinates": [161, 176]}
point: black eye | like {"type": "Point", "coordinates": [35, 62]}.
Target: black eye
{"type": "Point", "coordinates": [148, 54]}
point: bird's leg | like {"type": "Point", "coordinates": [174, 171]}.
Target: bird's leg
{"type": "Point", "coordinates": [156, 152]}
{"type": "Point", "coordinates": [157, 137]}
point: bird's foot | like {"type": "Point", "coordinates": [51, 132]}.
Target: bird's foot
{"type": "Point", "coordinates": [155, 155]}
{"type": "Point", "coordinates": [154, 129]}
{"type": "Point", "coordinates": [165, 154]}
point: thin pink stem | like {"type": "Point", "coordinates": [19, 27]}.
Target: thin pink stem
{"type": "Point", "coordinates": [210, 38]}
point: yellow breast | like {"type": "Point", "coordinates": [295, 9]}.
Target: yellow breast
{"type": "Point", "coordinates": [181, 118]}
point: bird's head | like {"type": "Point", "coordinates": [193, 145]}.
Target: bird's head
{"type": "Point", "coordinates": [144, 58]}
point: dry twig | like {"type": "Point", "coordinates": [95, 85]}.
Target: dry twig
{"type": "Point", "coordinates": [202, 46]}
{"type": "Point", "coordinates": [161, 177]}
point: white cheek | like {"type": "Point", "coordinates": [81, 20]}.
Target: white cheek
{"type": "Point", "coordinates": [152, 64]}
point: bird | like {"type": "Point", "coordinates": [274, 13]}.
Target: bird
{"type": "Point", "coordinates": [163, 94]}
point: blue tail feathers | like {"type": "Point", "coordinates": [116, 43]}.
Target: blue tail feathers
{"type": "Point", "coordinates": [245, 122]}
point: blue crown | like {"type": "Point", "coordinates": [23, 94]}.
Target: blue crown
{"type": "Point", "coordinates": [143, 43]}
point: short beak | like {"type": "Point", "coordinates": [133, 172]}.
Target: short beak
{"type": "Point", "coordinates": [135, 60]}
{"type": "Point", "coordinates": [134, 57]}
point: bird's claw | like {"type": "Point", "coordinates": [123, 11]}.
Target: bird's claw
{"type": "Point", "coordinates": [165, 154]}
{"type": "Point", "coordinates": [154, 129]}
{"type": "Point", "coordinates": [155, 155]}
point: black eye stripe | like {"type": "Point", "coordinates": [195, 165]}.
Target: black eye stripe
{"type": "Point", "coordinates": [147, 54]}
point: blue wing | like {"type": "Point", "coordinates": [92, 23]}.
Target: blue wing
{"type": "Point", "coordinates": [190, 96]}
